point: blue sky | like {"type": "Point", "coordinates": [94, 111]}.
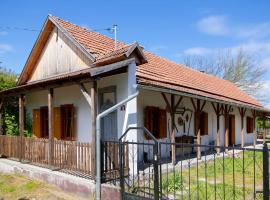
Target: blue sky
{"type": "Point", "coordinates": [172, 29]}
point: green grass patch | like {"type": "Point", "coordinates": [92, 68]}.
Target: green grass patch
{"type": "Point", "coordinates": [222, 179]}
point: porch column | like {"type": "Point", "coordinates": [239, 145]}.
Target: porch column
{"type": "Point", "coordinates": [242, 112]}
{"type": "Point", "coordinates": [254, 128]}
{"type": "Point", "coordinates": [226, 109]}
{"type": "Point", "coordinates": [172, 108]}
{"type": "Point", "coordinates": [218, 113]}
{"type": "Point", "coordinates": [21, 125]}
{"type": "Point", "coordinates": [51, 126]}
{"type": "Point", "coordinates": [1, 116]}
{"type": "Point", "coordinates": [93, 122]}
{"type": "Point", "coordinates": [198, 108]}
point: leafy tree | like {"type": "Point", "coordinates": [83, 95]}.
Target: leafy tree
{"type": "Point", "coordinates": [240, 68]}
{"type": "Point", "coordinates": [263, 123]}
{"type": "Point", "coordinates": [10, 112]}
{"type": "Point", "coordinates": [7, 79]}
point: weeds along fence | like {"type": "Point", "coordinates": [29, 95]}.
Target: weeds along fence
{"type": "Point", "coordinates": [220, 173]}
{"type": "Point", "coordinates": [70, 156]}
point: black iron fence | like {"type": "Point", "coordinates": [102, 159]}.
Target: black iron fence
{"type": "Point", "coordinates": [145, 171]}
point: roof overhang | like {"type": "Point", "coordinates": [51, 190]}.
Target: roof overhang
{"type": "Point", "coordinates": [41, 41]}
{"type": "Point", "coordinates": [130, 51]}
{"type": "Point", "coordinates": [70, 78]}
{"type": "Point", "coordinates": [190, 95]}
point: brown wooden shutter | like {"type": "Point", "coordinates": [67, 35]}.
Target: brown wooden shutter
{"type": "Point", "coordinates": [205, 123]}
{"type": "Point", "coordinates": [147, 121]}
{"type": "Point", "coordinates": [162, 123]}
{"type": "Point", "coordinates": [36, 128]}
{"type": "Point", "coordinates": [68, 117]}
{"type": "Point", "coordinates": [249, 125]}
{"type": "Point", "coordinates": [57, 123]}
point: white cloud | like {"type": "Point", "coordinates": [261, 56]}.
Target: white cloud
{"type": "Point", "coordinates": [214, 25]}
{"type": "Point", "coordinates": [255, 31]}
{"type": "Point", "coordinates": [5, 48]}
{"type": "Point", "coordinates": [255, 48]}
{"type": "Point", "coordinates": [197, 51]}
{"type": "Point", "coordinates": [219, 25]}
{"type": "Point", "coordinates": [3, 33]}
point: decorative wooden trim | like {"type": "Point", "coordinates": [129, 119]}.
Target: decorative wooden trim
{"type": "Point", "coordinates": [166, 101]}
{"type": "Point", "coordinates": [178, 102]}
{"type": "Point", "coordinates": [201, 109]}
{"type": "Point", "coordinates": [172, 108]}
{"type": "Point", "coordinates": [193, 104]}
{"type": "Point", "coordinates": [214, 107]}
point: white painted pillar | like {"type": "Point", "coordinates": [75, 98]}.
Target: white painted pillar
{"type": "Point", "coordinates": [131, 118]}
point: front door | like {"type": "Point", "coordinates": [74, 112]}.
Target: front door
{"type": "Point", "coordinates": [231, 130]}
{"type": "Point", "coordinates": [107, 99]}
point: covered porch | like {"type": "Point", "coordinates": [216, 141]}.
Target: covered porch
{"type": "Point", "coordinates": [55, 141]}
{"type": "Point", "coordinates": [63, 114]}
{"type": "Point", "coordinates": [188, 118]}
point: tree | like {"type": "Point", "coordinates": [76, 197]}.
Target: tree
{"type": "Point", "coordinates": [7, 78]}
{"type": "Point", "coordinates": [10, 108]}
{"type": "Point", "coordinates": [239, 68]}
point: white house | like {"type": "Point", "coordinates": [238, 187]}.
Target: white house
{"type": "Point", "coordinates": [72, 74]}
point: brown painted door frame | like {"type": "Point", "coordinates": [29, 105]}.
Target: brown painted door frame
{"type": "Point", "coordinates": [231, 130]}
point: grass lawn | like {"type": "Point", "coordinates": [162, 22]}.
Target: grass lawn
{"type": "Point", "coordinates": [229, 183]}
{"type": "Point", "coordinates": [19, 187]}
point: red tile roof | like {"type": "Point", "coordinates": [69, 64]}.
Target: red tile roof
{"type": "Point", "coordinates": [161, 72]}
{"type": "Point", "coordinates": [164, 73]}
{"type": "Point", "coordinates": [95, 43]}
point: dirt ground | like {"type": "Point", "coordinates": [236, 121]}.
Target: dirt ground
{"type": "Point", "coordinates": [14, 186]}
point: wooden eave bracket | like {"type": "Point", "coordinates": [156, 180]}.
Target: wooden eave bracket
{"type": "Point", "coordinates": [86, 94]}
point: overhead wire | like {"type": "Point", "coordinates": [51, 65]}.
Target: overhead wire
{"type": "Point", "coordinates": [36, 30]}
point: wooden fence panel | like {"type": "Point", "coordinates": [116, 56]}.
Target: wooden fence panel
{"type": "Point", "coordinates": [110, 160]}
{"type": "Point", "coordinates": [10, 146]}
{"type": "Point", "coordinates": [73, 156]}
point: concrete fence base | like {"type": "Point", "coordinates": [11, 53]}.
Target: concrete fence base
{"type": "Point", "coordinates": [69, 183]}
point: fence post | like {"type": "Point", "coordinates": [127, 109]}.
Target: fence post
{"type": "Point", "coordinates": [21, 125]}
{"type": "Point", "coordinates": [121, 164]}
{"type": "Point", "coordinates": [156, 177]}
{"type": "Point", "coordinates": [265, 172]}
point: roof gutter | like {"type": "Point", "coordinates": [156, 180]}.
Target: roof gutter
{"type": "Point", "coordinates": [170, 91]}
{"type": "Point", "coordinates": [98, 139]}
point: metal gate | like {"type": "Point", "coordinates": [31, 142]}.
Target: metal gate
{"type": "Point", "coordinates": [137, 183]}
{"type": "Point", "coordinates": [221, 172]}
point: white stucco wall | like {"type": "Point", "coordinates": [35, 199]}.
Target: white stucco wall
{"type": "Point", "coordinates": [72, 95]}
{"type": "Point", "coordinates": [151, 98]}
{"type": "Point", "coordinates": [66, 95]}
{"type": "Point", "coordinates": [120, 82]}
